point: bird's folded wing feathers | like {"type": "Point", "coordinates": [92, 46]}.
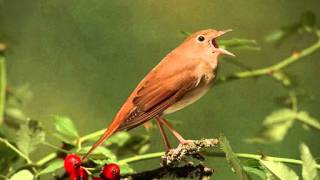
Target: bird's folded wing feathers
{"type": "Point", "coordinates": [155, 96]}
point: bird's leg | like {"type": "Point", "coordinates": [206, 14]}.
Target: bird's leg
{"type": "Point", "coordinates": [174, 132]}
{"type": "Point", "coordinates": [164, 136]}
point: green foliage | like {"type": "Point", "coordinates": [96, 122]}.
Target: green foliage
{"type": "Point", "coordinates": [307, 23]}
{"type": "Point", "coordinates": [23, 174]}
{"type": "Point", "coordinates": [304, 117]}
{"type": "Point", "coordinates": [51, 167]}
{"type": "Point", "coordinates": [309, 166]}
{"type": "Point", "coordinates": [256, 171]}
{"type": "Point", "coordinates": [65, 128]}
{"type": "Point", "coordinates": [278, 171]}
{"type": "Point", "coordinates": [232, 159]}
{"type": "Point", "coordinates": [275, 126]}
{"type": "Point", "coordinates": [2, 87]}
{"type": "Point", "coordinates": [239, 43]}
{"type": "Point", "coordinates": [100, 153]}
{"type": "Point", "coordinates": [29, 136]}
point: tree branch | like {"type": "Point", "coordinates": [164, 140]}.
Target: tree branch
{"type": "Point", "coordinates": [276, 67]}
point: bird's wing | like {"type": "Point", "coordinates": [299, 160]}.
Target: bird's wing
{"type": "Point", "coordinates": [163, 86]}
{"type": "Point", "coordinates": [157, 95]}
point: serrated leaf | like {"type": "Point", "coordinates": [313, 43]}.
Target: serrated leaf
{"type": "Point", "coordinates": [304, 117]}
{"type": "Point", "coordinates": [309, 165]}
{"type": "Point", "coordinates": [275, 127]}
{"type": "Point", "coordinates": [66, 128]}
{"type": "Point", "coordinates": [258, 172]}
{"type": "Point", "coordinates": [23, 174]}
{"type": "Point", "coordinates": [278, 170]}
{"type": "Point", "coordinates": [232, 159]}
{"type": "Point", "coordinates": [99, 153]}
{"type": "Point", "coordinates": [29, 136]}
{"type": "Point", "coordinates": [3, 81]}
{"type": "Point", "coordinates": [52, 167]}
{"type": "Point", "coordinates": [279, 116]}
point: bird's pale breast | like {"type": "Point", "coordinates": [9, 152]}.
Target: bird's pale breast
{"type": "Point", "coordinates": [207, 76]}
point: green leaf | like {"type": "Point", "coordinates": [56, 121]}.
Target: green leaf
{"type": "Point", "coordinates": [282, 77]}
{"type": "Point", "coordinates": [125, 169]}
{"type": "Point", "coordinates": [309, 165]}
{"type": "Point", "coordinates": [277, 170]}
{"type": "Point", "coordinates": [15, 114]}
{"type": "Point", "coordinates": [136, 144]}
{"type": "Point", "coordinates": [275, 127]}
{"type": "Point", "coordinates": [65, 128]}
{"type": "Point", "coordinates": [29, 136]}
{"type": "Point", "coordinates": [23, 174]}
{"type": "Point", "coordinates": [3, 81]}
{"type": "Point", "coordinates": [52, 167]}
{"type": "Point", "coordinates": [239, 43]}
{"type": "Point", "coordinates": [275, 36]}
{"type": "Point", "coordinates": [304, 117]}
{"type": "Point", "coordinates": [256, 171]}
{"type": "Point", "coordinates": [119, 139]}
{"type": "Point", "coordinates": [279, 116]}
{"type": "Point", "coordinates": [99, 153]}
{"type": "Point", "coordinates": [232, 159]}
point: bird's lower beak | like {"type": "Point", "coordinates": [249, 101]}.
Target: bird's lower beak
{"type": "Point", "coordinates": [223, 51]}
{"type": "Point", "coordinates": [220, 50]}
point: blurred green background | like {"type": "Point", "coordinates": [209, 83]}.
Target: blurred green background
{"type": "Point", "coordinates": [82, 59]}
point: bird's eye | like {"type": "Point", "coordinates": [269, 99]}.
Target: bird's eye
{"type": "Point", "coordinates": [201, 38]}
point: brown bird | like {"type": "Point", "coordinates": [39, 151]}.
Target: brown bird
{"type": "Point", "coordinates": [180, 79]}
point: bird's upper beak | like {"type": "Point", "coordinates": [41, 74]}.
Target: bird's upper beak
{"type": "Point", "coordinates": [220, 50]}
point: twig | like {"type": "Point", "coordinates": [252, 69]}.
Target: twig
{"type": "Point", "coordinates": [171, 162]}
{"type": "Point", "coordinates": [186, 171]}
{"type": "Point", "coordinates": [217, 154]}
{"type": "Point", "coordinates": [7, 143]}
{"type": "Point", "coordinates": [276, 67]}
{"type": "Point", "coordinates": [192, 148]}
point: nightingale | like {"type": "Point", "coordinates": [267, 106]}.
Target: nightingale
{"type": "Point", "coordinates": [181, 78]}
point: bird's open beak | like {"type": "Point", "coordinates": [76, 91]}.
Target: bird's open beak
{"type": "Point", "coordinates": [220, 50]}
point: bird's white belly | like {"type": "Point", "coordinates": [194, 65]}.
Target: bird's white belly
{"type": "Point", "coordinates": [189, 98]}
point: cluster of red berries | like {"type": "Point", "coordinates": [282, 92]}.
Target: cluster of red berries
{"type": "Point", "coordinates": [72, 165]}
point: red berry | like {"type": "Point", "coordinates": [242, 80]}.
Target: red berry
{"type": "Point", "coordinates": [82, 174]}
{"type": "Point", "coordinates": [111, 171]}
{"type": "Point", "coordinates": [96, 178]}
{"type": "Point", "coordinates": [79, 174]}
{"type": "Point", "coordinates": [71, 163]}
{"type": "Point", "coordinates": [73, 176]}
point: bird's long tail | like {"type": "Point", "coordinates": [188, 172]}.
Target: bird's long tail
{"type": "Point", "coordinates": [112, 128]}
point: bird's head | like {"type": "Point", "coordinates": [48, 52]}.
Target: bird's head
{"type": "Point", "coordinates": [203, 44]}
